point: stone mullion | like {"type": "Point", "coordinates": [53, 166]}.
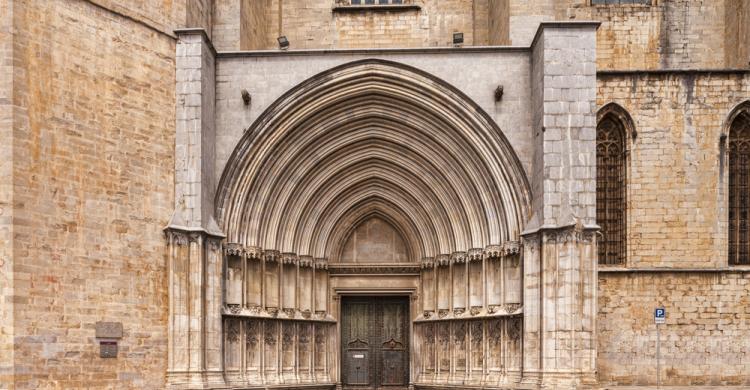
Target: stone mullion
{"type": "Point", "coordinates": [280, 287]}
{"type": "Point", "coordinates": [262, 349]}
{"type": "Point", "coordinates": [263, 303]}
{"type": "Point", "coordinates": [485, 284]}
{"type": "Point", "coordinates": [244, 300]}
{"type": "Point", "coordinates": [297, 289]}
{"type": "Point", "coordinates": [467, 287]}
{"type": "Point", "coordinates": [485, 348]}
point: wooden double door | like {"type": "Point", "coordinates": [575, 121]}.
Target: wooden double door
{"type": "Point", "coordinates": [375, 343]}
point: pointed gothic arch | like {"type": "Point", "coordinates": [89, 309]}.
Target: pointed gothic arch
{"type": "Point", "coordinates": [738, 155]}
{"type": "Point", "coordinates": [373, 137]}
{"type": "Point", "coordinates": [613, 130]}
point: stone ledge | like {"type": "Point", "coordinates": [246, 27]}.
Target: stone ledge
{"type": "Point", "coordinates": [614, 270]}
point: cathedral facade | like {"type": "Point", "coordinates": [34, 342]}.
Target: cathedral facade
{"type": "Point", "coordinates": [374, 194]}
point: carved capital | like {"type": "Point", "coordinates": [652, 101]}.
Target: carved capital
{"type": "Point", "coordinates": [321, 263]}
{"type": "Point", "coordinates": [233, 249]}
{"type": "Point", "coordinates": [271, 256]}
{"type": "Point", "coordinates": [254, 252]}
{"type": "Point", "coordinates": [493, 252]}
{"type": "Point", "coordinates": [427, 262]}
{"type": "Point", "coordinates": [458, 257]}
{"type": "Point", "coordinates": [289, 258]}
{"type": "Point", "coordinates": [234, 308]}
{"type": "Point", "coordinates": [511, 248]}
{"type": "Point", "coordinates": [475, 254]}
{"type": "Point", "coordinates": [178, 238]}
{"type": "Point", "coordinates": [306, 261]}
{"type": "Point", "coordinates": [531, 242]}
{"type": "Point", "coordinates": [443, 260]}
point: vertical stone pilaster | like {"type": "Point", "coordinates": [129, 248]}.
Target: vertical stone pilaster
{"type": "Point", "coordinates": [559, 247]}
{"type": "Point", "coordinates": [196, 261]}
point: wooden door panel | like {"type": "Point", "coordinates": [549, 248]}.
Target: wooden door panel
{"type": "Point", "coordinates": [375, 342]}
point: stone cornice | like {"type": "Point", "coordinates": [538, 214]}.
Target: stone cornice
{"type": "Point", "coordinates": [374, 269]}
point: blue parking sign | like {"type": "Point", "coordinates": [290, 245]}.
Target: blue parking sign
{"type": "Point", "coordinates": [660, 315]}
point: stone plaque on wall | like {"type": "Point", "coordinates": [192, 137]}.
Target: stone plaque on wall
{"type": "Point", "coordinates": [108, 349]}
{"type": "Point", "coordinates": [108, 330]}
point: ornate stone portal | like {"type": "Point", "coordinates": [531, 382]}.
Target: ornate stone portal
{"type": "Point", "coordinates": [500, 269]}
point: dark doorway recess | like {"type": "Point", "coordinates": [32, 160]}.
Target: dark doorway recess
{"type": "Point", "coordinates": [375, 342]}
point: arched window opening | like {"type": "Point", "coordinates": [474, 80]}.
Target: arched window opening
{"type": "Point", "coordinates": [739, 190]}
{"type": "Point", "coordinates": [610, 189]}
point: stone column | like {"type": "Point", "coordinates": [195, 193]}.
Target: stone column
{"type": "Point", "coordinates": [195, 255]}
{"type": "Point", "coordinates": [559, 254]}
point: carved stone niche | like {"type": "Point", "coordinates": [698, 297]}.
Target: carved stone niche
{"type": "Point", "coordinates": [429, 299]}
{"type": "Point", "coordinates": [272, 282]}
{"type": "Point", "coordinates": [320, 277]}
{"type": "Point", "coordinates": [289, 283]}
{"type": "Point", "coordinates": [460, 283]}
{"type": "Point", "coordinates": [476, 281]}
{"type": "Point", "coordinates": [512, 272]}
{"type": "Point", "coordinates": [443, 273]}
{"type": "Point", "coordinates": [494, 277]}
{"type": "Point", "coordinates": [253, 276]}
{"type": "Point", "coordinates": [234, 276]}
{"type": "Point", "coordinates": [305, 288]}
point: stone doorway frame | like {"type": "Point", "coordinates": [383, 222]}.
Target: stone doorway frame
{"type": "Point", "coordinates": [338, 293]}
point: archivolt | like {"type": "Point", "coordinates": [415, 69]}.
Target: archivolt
{"type": "Point", "coordinates": [373, 138]}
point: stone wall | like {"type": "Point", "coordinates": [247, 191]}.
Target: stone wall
{"type": "Point", "coordinates": [737, 34]}
{"type": "Point", "coordinates": [6, 195]}
{"type": "Point", "coordinates": [316, 24]}
{"type": "Point", "coordinates": [227, 18]}
{"type": "Point", "coordinates": [676, 180]}
{"type": "Point", "coordinates": [705, 341]}
{"type": "Point", "coordinates": [92, 165]}
{"type": "Point", "coordinates": [268, 76]}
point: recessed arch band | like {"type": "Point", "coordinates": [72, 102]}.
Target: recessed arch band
{"type": "Point", "coordinates": [373, 138]}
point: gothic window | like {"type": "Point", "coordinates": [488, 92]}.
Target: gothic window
{"type": "Point", "coordinates": [739, 190]}
{"type": "Point", "coordinates": [610, 189]}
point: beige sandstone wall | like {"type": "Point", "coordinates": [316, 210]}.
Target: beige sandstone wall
{"type": "Point", "coordinates": [314, 25]}
{"type": "Point", "coordinates": [676, 196]}
{"type": "Point", "coordinates": [92, 170]}
{"type": "Point", "coordinates": [227, 17]}
{"type": "Point", "coordinates": [676, 182]}
{"type": "Point", "coordinates": [668, 34]}
{"type": "Point", "coordinates": [6, 195]}
{"type": "Point", "coordinates": [737, 31]}
{"type": "Point", "coordinates": [705, 341]}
